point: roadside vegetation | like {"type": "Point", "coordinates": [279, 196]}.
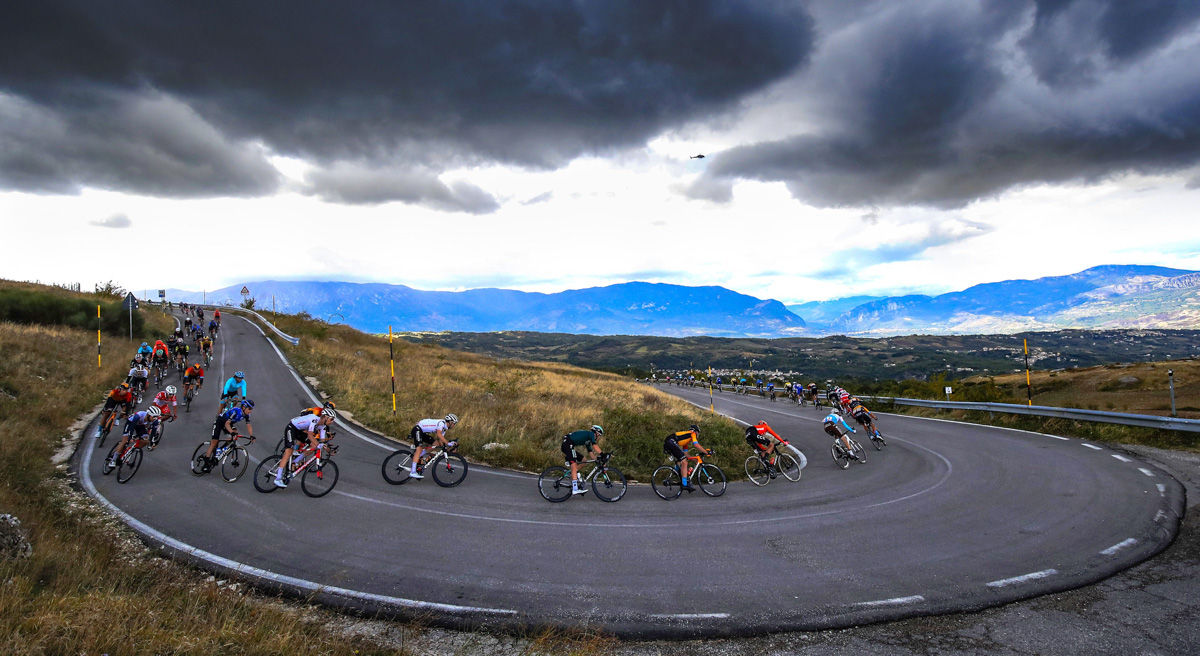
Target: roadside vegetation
{"type": "Point", "coordinates": [513, 413]}
{"type": "Point", "coordinates": [1137, 388]}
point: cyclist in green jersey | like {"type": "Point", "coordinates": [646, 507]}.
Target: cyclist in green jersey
{"type": "Point", "coordinates": [589, 440]}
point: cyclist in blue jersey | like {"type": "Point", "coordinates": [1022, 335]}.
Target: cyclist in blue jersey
{"type": "Point", "coordinates": [144, 350]}
{"type": "Point", "coordinates": [234, 387]}
{"type": "Point", "coordinates": [834, 425]}
{"type": "Point", "coordinates": [226, 423]}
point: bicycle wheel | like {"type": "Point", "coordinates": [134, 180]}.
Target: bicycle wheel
{"type": "Point", "coordinates": [609, 484]}
{"type": "Point", "coordinates": [129, 466]}
{"type": "Point", "coordinates": [234, 463]}
{"type": "Point", "coordinates": [264, 475]}
{"type": "Point", "coordinates": [840, 456]}
{"type": "Point", "coordinates": [187, 401]}
{"type": "Point", "coordinates": [157, 436]}
{"type": "Point", "coordinates": [197, 463]}
{"type": "Point", "coordinates": [757, 472]}
{"type": "Point", "coordinates": [788, 467]}
{"type": "Point", "coordinates": [398, 467]}
{"type": "Point", "coordinates": [860, 452]}
{"type": "Point", "coordinates": [710, 478]}
{"type": "Point", "coordinates": [105, 429]}
{"type": "Point", "coordinates": [666, 483]}
{"type": "Point", "coordinates": [450, 470]}
{"type": "Point", "coordinates": [877, 439]}
{"type": "Point", "coordinates": [107, 468]}
{"type": "Point", "coordinates": [279, 447]}
{"type": "Point", "coordinates": [555, 484]}
{"type": "Point", "coordinates": [318, 480]}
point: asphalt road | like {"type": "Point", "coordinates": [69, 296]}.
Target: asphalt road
{"type": "Point", "coordinates": [949, 517]}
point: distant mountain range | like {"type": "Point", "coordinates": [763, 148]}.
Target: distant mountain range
{"type": "Point", "coordinates": [634, 308]}
{"type": "Point", "coordinates": [1110, 296]}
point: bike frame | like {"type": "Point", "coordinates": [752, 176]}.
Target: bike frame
{"type": "Point", "coordinates": [313, 455]}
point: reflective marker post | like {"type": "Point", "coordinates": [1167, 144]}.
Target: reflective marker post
{"type": "Point", "coordinates": [711, 409]}
{"type": "Point", "coordinates": [1028, 385]}
{"type": "Point", "coordinates": [391, 359]}
{"type": "Point", "coordinates": [97, 336]}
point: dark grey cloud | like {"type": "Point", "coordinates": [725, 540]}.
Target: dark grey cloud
{"type": "Point", "coordinates": [375, 82]}
{"type": "Point", "coordinates": [114, 221]}
{"type": "Point", "coordinates": [939, 104]}
{"type": "Point", "coordinates": [357, 185]}
{"type": "Point", "coordinates": [144, 143]}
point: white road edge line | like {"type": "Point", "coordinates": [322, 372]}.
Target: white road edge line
{"type": "Point", "coordinates": [1023, 578]}
{"type": "Point", "coordinates": [691, 616]}
{"type": "Point", "coordinates": [85, 477]}
{"type": "Point", "coordinates": [1129, 542]}
{"type": "Point", "coordinates": [1146, 471]}
{"type": "Point", "coordinates": [1121, 457]}
{"type": "Point", "coordinates": [896, 601]}
{"type": "Point", "coordinates": [344, 425]}
{"type": "Point", "coordinates": [1092, 446]}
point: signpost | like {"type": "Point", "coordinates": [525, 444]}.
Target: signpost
{"type": "Point", "coordinates": [245, 293]}
{"type": "Point", "coordinates": [130, 303]}
{"type": "Point", "coordinates": [949, 391]}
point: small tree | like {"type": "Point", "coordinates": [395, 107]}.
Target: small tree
{"type": "Point", "coordinates": [110, 288]}
{"type": "Point", "coordinates": [249, 302]}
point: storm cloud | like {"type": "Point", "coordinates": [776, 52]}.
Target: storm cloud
{"type": "Point", "coordinates": [940, 103]}
{"type": "Point", "coordinates": [533, 83]}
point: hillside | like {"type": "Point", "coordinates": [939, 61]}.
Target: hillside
{"type": "Point", "coordinates": [633, 308]}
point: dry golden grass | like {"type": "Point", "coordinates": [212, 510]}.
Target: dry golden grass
{"type": "Point", "coordinates": [527, 406]}
{"type": "Point", "coordinates": [1140, 388]}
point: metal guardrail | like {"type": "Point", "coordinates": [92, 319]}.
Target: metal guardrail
{"type": "Point", "coordinates": [1126, 419]}
{"type": "Point", "coordinates": [295, 341]}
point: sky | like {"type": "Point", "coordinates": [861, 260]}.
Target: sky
{"type": "Point", "coordinates": [890, 147]}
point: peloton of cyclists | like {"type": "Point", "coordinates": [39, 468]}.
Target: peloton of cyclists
{"type": "Point", "coordinates": [428, 433]}
{"type": "Point", "coordinates": [677, 444]}
{"type": "Point", "coordinates": [589, 441]}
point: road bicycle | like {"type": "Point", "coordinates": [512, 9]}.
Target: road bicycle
{"type": "Point", "coordinates": [189, 392]}
{"type": "Point", "coordinates": [876, 438]}
{"type": "Point", "coordinates": [108, 418]}
{"type": "Point", "coordinates": [131, 459]}
{"type": "Point", "coordinates": [320, 473]}
{"type": "Point", "coordinates": [160, 372]}
{"type": "Point", "coordinates": [449, 468]}
{"type": "Point", "coordinates": [668, 482]}
{"type": "Point", "coordinates": [212, 333]}
{"type": "Point", "coordinates": [760, 470]}
{"type": "Point", "coordinates": [772, 396]}
{"type": "Point", "coordinates": [230, 402]}
{"type": "Point", "coordinates": [181, 365]}
{"type": "Point", "coordinates": [229, 454]}
{"type": "Point", "coordinates": [843, 457]}
{"type": "Point", "coordinates": [608, 483]}
{"type": "Point", "coordinates": [207, 358]}
{"type": "Point", "coordinates": [137, 387]}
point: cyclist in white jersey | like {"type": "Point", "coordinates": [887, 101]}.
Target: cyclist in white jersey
{"type": "Point", "coordinates": [309, 427]}
{"type": "Point", "coordinates": [429, 433]}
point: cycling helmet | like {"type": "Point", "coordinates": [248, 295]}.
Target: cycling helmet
{"type": "Point", "coordinates": [138, 358]}
{"type": "Point", "coordinates": [328, 413]}
{"type": "Point", "coordinates": [331, 405]}
{"type": "Point", "coordinates": [124, 385]}
{"type": "Point", "coordinates": [145, 344]}
{"type": "Point", "coordinates": [597, 429]}
{"type": "Point", "coordinates": [836, 412]}
{"type": "Point", "coordinates": [248, 404]}
{"type": "Point", "coordinates": [171, 390]}
{"type": "Point", "coordinates": [694, 428]}
{"type": "Point", "coordinates": [239, 375]}
{"type": "Point", "coordinates": [153, 412]}
{"type": "Point", "coordinates": [452, 418]}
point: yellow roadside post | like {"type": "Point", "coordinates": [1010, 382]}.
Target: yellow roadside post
{"type": "Point", "coordinates": [392, 361]}
{"type": "Point", "coordinates": [97, 336]}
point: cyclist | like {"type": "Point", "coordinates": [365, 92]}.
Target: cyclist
{"type": "Point", "coordinates": [812, 392]}
{"type": "Point", "coordinates": [217, 316]}
{"type": "Point", "coordinates": [160, 353]}
{"type": "Point", "coordinates": [197, 333]}
{"type": "Point", "coordinates": [677, 444]}
{"type": "Point", "coordinates": [206, 344]}
{"type": "Point", "coordinates": [212, 328]}
{"type": "Point", "coordinates": [756, 436]}
{"type": "Point", "coordinates": [187, 324]}
{"type": "Point", "coordinates": [137, 378]}
{"type": "Point", "coordinates": [138, 426]}
{"type": "Point", "coordinates": [226, 423]}
{"type": "Point", "coordinates": [181, 354]}
{"type": "Point", "coordinates": [235, 386]}
{"type": "Point", "coordinates": [310, 427]}
{"type": "Point", "coordinates": [862, 415]}
{"type": "Point", "coordinates": [138, 359]}
{"type": "Point", "coordinates": [193, 375]}
{"type": "Point", "coordinates": [589, 440]}
{"type": "Point", "coordinates": [430, 432]}
{"type": "Point", "coordinates": [120, 396]}
{"type": "Point", "coordinates": [200, 314]}
{"type": "Point", "coordinates": [144, 350]}
{"type": "Point", "coordinates": [166, 402]}
{"type": "Point", "coordinates": [833, 426]}
{"type": "Point", "coordinates": [316, 410]}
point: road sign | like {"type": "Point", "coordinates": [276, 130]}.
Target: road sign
{"type": "Point", "coordinates": [130, 302]}
{"type": "Point", "coordinates": [245, 290]}
{"type": "Point", "coordinates": [949, 390]}
{"type": "Point", "coordinates": [162, 293]}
